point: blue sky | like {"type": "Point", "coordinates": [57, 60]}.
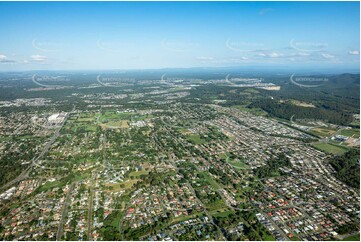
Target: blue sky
{"type": "Point", "coordinates": [144, 35]}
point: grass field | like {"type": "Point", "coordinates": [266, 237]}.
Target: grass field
{"type": "Point", "coordinates": [127, 184]}
{"type": "Point", "coordinates": [330, 148]}
{"type": "Point", "coordinates": [90, 127]}
{"type": "Point", "coordinates": [237, 164]}
{"type": "Point", "coordinates": [356, 123]}
{"type": "Point", "coordinates": [138, 173]}
{"type": "Point", "coordinates": [115, 124]}
{"type": "Point", "coordinates": [196, 139]}
{"type": "Point", "coordinates": [355, 133]}
{"type": "Point", "coordinates": [120, 124]}
{"type": "Point", "coordinates": [210, 180]}
{"type": "Point", "coordinates": [86, 127]}
{"type": "Point", "coordinates": [184, 131]}
{"type": "Point", "coordinates": [116, 219]}
{"type": "Point", "coordinates": [251, 90]}
{"type": "Point", "coordinates": [295, 238]}
{"type": "Point", "coordinates": [112, 116]}
{"type": "Point", "coordinates": [85, 119]}
{"type": "Point", "coordinates": [302, 104]}
{"type": "Point", "coordinates": [5, 138]}
{"type": "Point", "coordinates": [222, 214]}
{"type": "Point", "coordinates": [185, 217]}
{"type": "Point", "coordinates": [24, 137]}
{"type": "Point", "coordinates": [49, 185]}
{"type": "Point", "coordinates": [267, 237]}
{"type": "Point", "coordinates": [216, 206]}
{"type": "Point", "coordinates": [121, 120]}
{"type": "Point", "coordinates": [224, 155]}
{"type": "Point", "coordinates": [324, 132]}
{"type": "Point", "coordinates": [355, 237]}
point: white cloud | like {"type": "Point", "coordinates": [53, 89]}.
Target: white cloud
{"type": "Point", "coordinates": [270, 55]}
{"type": "Point", "coordinates": [5, 59]}
{"type": "Point", "coordinates": [275, 55]}
{"type": "Point", "coordinates": [239, 60]}
{"type": "Point", "coordinates": [327, 56]}
{"type": "Point", "coordinates": [264, 11]}
{"type": "Point", "coordinates": [205, 58]}
{"type": "Point", "coordinates": [236, 60]}
{"type": "Point", "coordinates": [303, 54]}
{"type": "Point", "coordinates": [39, 58]}
{"type": "Point", "coordinates": [354, 52]}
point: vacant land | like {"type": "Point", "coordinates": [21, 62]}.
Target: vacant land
{"type": "Point", "coordinates": [302, 104]}
{"type": "Point", "coordinates": [355, 237]}
{"type": "Point", "coordinates": [210, 181]}
{"type": "Point", "coordinates": [237, 164]}
{"type": "Point", "coordinates": [354, 133]}
{"type": "Point", "coordinates": [196, 139]}
{"type": "Point", "coordinates": [124, 185]}
{"type": "Point", "coordinates": [255, 111]}
{"type": "Point", "coordinates": [324, 132]}
{"type": "Point", "coordinates": [138, 173]}
{"type": "Point", "coordinates": [330, 148]}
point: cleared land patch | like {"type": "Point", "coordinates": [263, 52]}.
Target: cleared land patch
{"type": "Point", "coordinates": [330, 148]}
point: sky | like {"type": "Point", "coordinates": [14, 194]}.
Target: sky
{"type": "Point", "coordinates": [151, 35]}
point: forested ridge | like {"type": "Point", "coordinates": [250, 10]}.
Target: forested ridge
{"type": "Point", "coordinates": [286, 111]}
{"type": "Point", "coordinates": [347, 167]}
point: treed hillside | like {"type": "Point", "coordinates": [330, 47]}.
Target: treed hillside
{"type": "Point", "coordinates": [347, 167]}
{"type": "Point", "coordinates": [334, 101]}
{"type": "Point", "coordinates": [286, 111]}
{"type": "Point", "coordinates": [272, 166]}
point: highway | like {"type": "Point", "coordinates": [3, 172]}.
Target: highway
{"type": "Point", "coordinates": [63, 215]}
{"type": "Point", "coordinates": [25, 173]}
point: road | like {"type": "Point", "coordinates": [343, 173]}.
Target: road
{"type": "Point", "coordinates": [191, 187]}
{"type": "Point", "coordinates": [90, 210]}
{"type": "Point", "coordinates": [63, 215]}
{"type": "Point", "coordinates": [206, 211]}
{"type": "Point", "coordinates": [104, 150]}
{"type": "Point", "coordinates": [25, 173]}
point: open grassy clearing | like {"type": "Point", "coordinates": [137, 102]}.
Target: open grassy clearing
{"type": "Point", "coordinates": [355, 133]}
{"type": "Point", "coordinates": [221, 213]}
{"type": "Point", "coordinates": [90, 119]}
{"type": "Point", "coordinates": [196, 139]}
{"type": "Point", "coordinates": [356, 123]}
{"type": "Point", "coordinates": [138, 173]}
{"type": "Point", "coordinates": [123, 185]}
{"type": "Point", "coordinates": [5, 138]}
{"type": "Point", "coordinates": [324, 132]}
{"type": "Point", "coordinates": [355, 237]}
{"type": "Point", "coordinates": [237, 164]}
{"type": "Point", "coordinates": [255, 111]}
{"type": "Point", "coordinates": [211, 181]}
{"type": "Point", "coordinates": [302, 104]}
{"type": "Point", "coordinates": [120, 124]}
{"type": "Point", "coordinates": [330, 148]}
